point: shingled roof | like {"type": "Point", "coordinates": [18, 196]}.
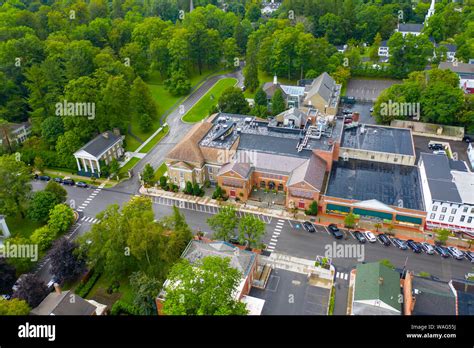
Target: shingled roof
{"type": "Point", "coordinates": [311, 172]}
{"type": "Point", "coordinates": [188, 149]}
{"type": "Point", "coordinates": [61, 304]}
{"type": "Point", "coordinates": [323, 85]}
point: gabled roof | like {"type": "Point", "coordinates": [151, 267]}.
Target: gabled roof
{"type": "Point", "coordinates": [375, 281]}
{"type": "Point", "coordinates": [410, 27]}
{"type": "Point", "coordinates": [270, 88]}
{"type": "Point", "coordinates": [323, 85]}
{"type": "Point", "coordinates": [242, 169]}
{"type": "Point", "coordinates": [61, 304]}
{"type": "Point", "coordinates": [188, 150]}
{"type": "Point", "coordinates": [459, 67]}
{"type": "Point", "coordinates": [100, 144]}
{"type": "Point", "coordinates": [311, 172]}
{"type": "Point", "coordinates": [433, 297]}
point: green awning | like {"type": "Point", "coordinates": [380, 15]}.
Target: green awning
{"type": "Point", "coordinates": [336, 207]}
{"type": "Point", "coordinates": [373, 213]}
{"type": "Point", "coordinates": [410, 219]}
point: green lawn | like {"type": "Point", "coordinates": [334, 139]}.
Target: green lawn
{"type": "Point", "coordinates": [129, 165]}
{"type": "Point", "coordinates": [22, 227]}
{"type": "Point", "coordinates": [131, 144]}
{"type": "Point", "coordinates": [201, 109]}
{"type": "Point", "coordinates": [99, 291]}
{"type": "Point", "coordinates": [155, 140]}
{"type": "Point", "coordinates": [161, 171]}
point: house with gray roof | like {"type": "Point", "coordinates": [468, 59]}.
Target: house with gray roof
{"type": "Point", "coordinates": [323, 94]}
{"type": "Point", "coordinates": [103, 148]}
{"type": "Point", "coordinates": [448, 193]}
{"type": "Point", "coordinates": [432, 297]}
{"type": "Point", "coordinates": [410, 28]}
{"type": "Point", "coordinates": [376, 290]}
{"type": "Point", "coordinates": [293, 95]}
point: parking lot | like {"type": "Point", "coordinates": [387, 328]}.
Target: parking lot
{"type": "Point", "coordinates": [458, 148]}
{"type": "Point", "coordinates": [368, 90]}
{"type": "Point", "coordinates": [363, 108]}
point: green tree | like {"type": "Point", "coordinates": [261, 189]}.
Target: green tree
{"type": "Point", "coordinates": [188, 189]}
{"type": "Point", "coordinates": [253, 13]}
{"type": "Point", "coordinates": [386, 262]}
{"type": "Point", "coordinates": [145, 290]}
{"type": "Point", "coordinates": [148, 174]}
{"type": "Point", "coordinates": [230, 52]}
{"type": "Point", "coordinates": [40, 205]}
{"type": "Point", "coordinates": [142, 102]}
{"type": "Point", "coordinates": [251, 229]}
{"type": "Point", "coordinates": [14, 306]}
{"type": "Point", "coordinates": [44, 237]}
{"type": "Point", "coordinates": [51, 128]}
{"type": "Point", "coordinates": [349, 220]}
{"type": "Point", "coordinates": [374, 50]}
{"type": "Point", "coordinates": [442, 234]}
{"type": "Point", "coordinates": [278, 103]}
{"type": "Point", "coordinates": [67, 144]}
{"type": "Point", "coordinates": [232, 101]}
{"type": "Point", "coordinates": [261, 98]}
{"type": "Point", "coordinates": [15, 186]}
{"type": "Point", "coordinates": [59, 192]}
{"type": "Point", "coordinates": [178, 83]}
{"type": "Point", "coordinates": [208, 291]}
{"type": "Point", "coordinates": [61, 217]}
{"type": "Point", "coordinates": [223, 223]}
{"type": "Point", "coordinates": [313, 209]}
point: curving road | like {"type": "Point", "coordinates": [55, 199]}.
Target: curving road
{"type": "Point", "coordinates": [178, 130]}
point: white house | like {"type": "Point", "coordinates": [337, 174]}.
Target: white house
{"type": "Point", "coordinates": [464, 71]}
{"type": "Point", "coordinates": [18, 133]}
{"type": "Point", "coordinates": [105, 147]}
{"type": "Point", "coordinates": [447, 193]}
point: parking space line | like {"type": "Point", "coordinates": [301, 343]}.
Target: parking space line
{"type": "Point", "coordinates": [290, 224]}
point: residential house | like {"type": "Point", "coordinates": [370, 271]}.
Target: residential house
{"type": "Point", "coordinates": [323, 94]}
{"type": "Point", "coordinates": [268, 7]}
{"type": "Point", "coordinates": [244, 261]}
{"type": "Point", "coordinates": [67, 303]}
{"type": "Point", "coordinates": [447, 193]}
{"type": "Point", "coordinates": [293, 95]}
{"type": "Point", "coordinates": [384, 49]}
{"type": "Point", "coordinates": [464, 71]}
{"type": "Point", "coordinates": [104, 147]}
{"type": "Point", "coordinates": [15, 133]}
{"type": "Point", "coordinates": [376, 290]}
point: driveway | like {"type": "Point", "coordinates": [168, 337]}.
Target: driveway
{"type": "Point", "coordinates": [368, 89]}
{"type": "Point", "coordinates": [458, 148]}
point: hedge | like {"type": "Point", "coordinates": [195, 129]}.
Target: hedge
{"type": "Point", "coordinates": [121, 307]}
{"type": "Point", "coordinates": [84, 288]}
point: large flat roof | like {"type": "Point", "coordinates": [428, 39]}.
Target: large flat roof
{"type": "Point", "coordinates": [391, 184]}
{"type": "Point", "coordinates": [378, 138]}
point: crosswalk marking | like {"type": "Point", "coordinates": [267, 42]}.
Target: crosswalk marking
{"type": "Point", "coordinates": [276, 233]}
{"type": "Point", "coordinates": [274, 240]}
{"type": "Point", "coordinates": [272, 243]}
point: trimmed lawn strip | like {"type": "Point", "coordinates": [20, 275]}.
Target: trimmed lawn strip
{"type": "Point", "coordinates": [162, 169]}
{"type": "Point", "coordinates": [155, 140]}
{"type": "Point", "coordinates": [201, 109]}
{"type": "Point", "coordinates": [129, 165]}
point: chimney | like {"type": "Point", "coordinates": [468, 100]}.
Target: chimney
{"type": "Point", "coordinates": [275, 80]}
{"type": "Point", "coordinates": [117, 131]}
{"type": "Point", "coordinates": [105, 135]}
{"type": "Point", "coordinates": [57, 288]}
{"type": "Point", "coordinates": [380, 280]}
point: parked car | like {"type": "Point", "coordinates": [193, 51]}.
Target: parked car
{"type": "Point", "coordinates": [435, 146]}
{"type": "Point", "coordinates": [335, 231]}
{"type": "Point", "coordinates": [468, 138]}
{"type": "Point", "coordinates": [371, 110]}
{"type": "Point", "coordinates": [308, 226]}
{"type": "Point", "coordinates": [346, 112]}
{"type": "Point", "coordinates": [360, 237]}
{"type": "Point", "coordinates": [384, 239]}
{"type": "Point", "coordinates": [469, 255]}
{"type": "Point", "coordinates": [439, 152]}
{"type": "Point", "coordinates": [81, 184]}
{"type": "Point", "coordinates": [455, 252]}
{"type": "Point", "coordinates": [400, 244]}
{"type": "Point", "coordinates": [6, 297]}
{"type": "Point", "coordinates": [414, 246]}
{"type": "Point", "coordinates": [427, 248]}
{"type": "Point", "coordinates": [347, 120]}
{"type": "Point", "coordinates": [58, 180]}
{"type": "Point", "coordinates": [441, 251]}
{"type": "Point", "coordinates": [69, 182]}
{"type": "Point", "coordinates": [44, 178]}
{"type": "Point", "coordinates": [370, 236]}
{"type": "Point", "coordinates": [469, 275]}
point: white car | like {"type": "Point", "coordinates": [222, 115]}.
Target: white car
{"type": "Point", "coordinates": [456, 253]}
{"type": "Point", "coordinates": [370, 236]}
{"type": "Point", "coordinates": [439, 152]}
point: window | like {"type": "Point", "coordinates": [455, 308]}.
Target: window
{"type": "Point", "coordinates": [472, 210]}
{"type": "Point", "coordinates": [453, 211]}
{"type": "Point", "coordinates": [435, 208]}
{"type": "Point", "coordinates": [469, 220]}
{"type": "Point", "coordinates": [395, 159]}
{"type": "Point", "coordinates": [465, 209]}
{"type": "Point", "coordinates": [444, 209]}
{"type": "Point", "coordinates": [451, 219]}
{"type": "Point", "coordinates": [463, 217]}
{"type": "Point", "coordinates": [441, 217]}
{"type": "Point", "coordinates": [433, 216]}
{"type": "Point", "coordinates": [181, 175]}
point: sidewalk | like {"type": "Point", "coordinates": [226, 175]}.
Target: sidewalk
{"type": "Point", "coordinates": [320, 219]}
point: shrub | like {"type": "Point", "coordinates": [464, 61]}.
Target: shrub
{"type": "Point", "coordinates": [84, 288]}
{"type": "Point", "coordinates": [164, 182]}
{"type": "Point", "coordinates": [219, 193]}
{"type": "Point", "coordinates": [44, 237]}
{"type": "Point", "coordinates": [332, 301]}
{"type": "Point", "coordinates": [61, 217]}
{"type": "Point", "coordinates": [313, 209]}
{"type": "Point", "coordinates": [122, 307]}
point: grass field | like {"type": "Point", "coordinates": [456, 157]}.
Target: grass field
{"type": "Point", "coordinates": [22, 227]}
{"type": "Point", "coordinates": [129, 165]}
{"type": "Point", "coordinates": [155, 140]}
{"type": "Point", "coordinates": [201, 109]}
{"type": "Point", "coordinates": [160, 171]}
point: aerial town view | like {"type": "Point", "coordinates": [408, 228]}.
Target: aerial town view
{"type": "Point", "coordinates": [240, 158]}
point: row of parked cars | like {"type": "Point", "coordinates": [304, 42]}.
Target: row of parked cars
{"type": "Point", "coordinates": [416, 247]}
{"type": "Point", "coordinates": [65, 181]}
